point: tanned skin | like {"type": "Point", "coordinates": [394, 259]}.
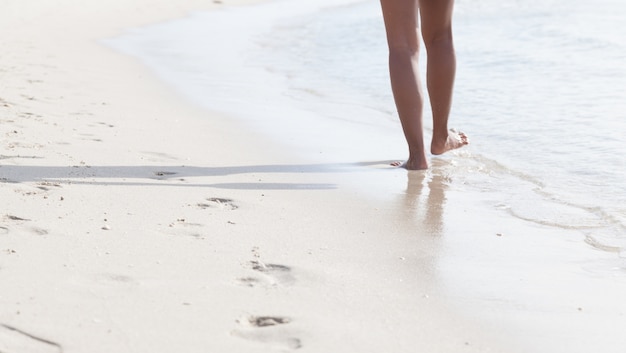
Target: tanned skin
{"type": "Point", "coordinates": [403, 38]}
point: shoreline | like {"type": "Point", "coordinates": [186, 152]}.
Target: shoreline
{"type": "Point", "coordinates": [120, 234]}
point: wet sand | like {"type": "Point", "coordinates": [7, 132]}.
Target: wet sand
{"type": "Point", "coordinates": [134, 221]}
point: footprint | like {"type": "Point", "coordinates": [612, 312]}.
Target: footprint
{"type": "Point", "coordinates": [218, 202]}
{"type": "Point", "coordinates": [269, 330]}
{"type": "Point", "coordinates": [38, 231]}
{"type": "Point", "coordinates": [21, 222]}
{"type": "Point", "coordinates": [245, 281]}
{"type": "Point", "coordinates": [182, 227]}
{"type": "Point", "coordinates": [161, 175]}
{"type": "Point", "coordinates": [5, 180]}
{"type": "Point", "coordinates": [16, 218]}
{"type": "Point", "coordinates": [15, 340]}
{"type": "Point", "coordinates": [158, 156]}
{"type": "Point", "coordinates": [46, 185]}
{"type": "Point", "coordinates": [103, 123]}
{"type": "Point", "coordinates": [112, 279]}
{"type": "Point", "coordinates": [263, 321]}
{"type": "Point", "coordinates": [274, 273]}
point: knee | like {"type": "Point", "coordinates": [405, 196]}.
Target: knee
{"type": "Point", "coordinates": [403, 43]}
{"type": "Point", "coordinates": [440, 40]}
{"type": "Point", "coordinates": [403, 49]}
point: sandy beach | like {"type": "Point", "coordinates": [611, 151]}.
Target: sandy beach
{"type": "Point", "coordinates": [134, 221]}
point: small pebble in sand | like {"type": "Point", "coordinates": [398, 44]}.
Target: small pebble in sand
{"type": "Point", "coordinates": [106, 227]}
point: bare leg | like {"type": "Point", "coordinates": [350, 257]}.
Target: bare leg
{"type": "Point", "coordinates": [436, 21]}
{"type": "Point", "coordinates": [403, 40]}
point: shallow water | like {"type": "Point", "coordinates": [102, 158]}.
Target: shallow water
{"type": "Point", "coordinates": [541, 90]}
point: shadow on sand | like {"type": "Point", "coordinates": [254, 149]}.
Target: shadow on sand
{"type": "Point", "coordinates": [169, 175]}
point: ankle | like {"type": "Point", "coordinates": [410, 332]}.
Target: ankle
{"type": "Point", "coordinates": [416, 162]}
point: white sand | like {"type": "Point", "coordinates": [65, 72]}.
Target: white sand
{"type": "Point", "coordinates": [131, 221]}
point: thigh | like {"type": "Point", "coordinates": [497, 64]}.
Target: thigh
{"type": "Point", "coordinates": [436, 18]}
{"type": "Point", "coordinates": [401, 22]}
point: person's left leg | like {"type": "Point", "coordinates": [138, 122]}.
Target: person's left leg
{"type": "Point", "coordinates": [436, 23]}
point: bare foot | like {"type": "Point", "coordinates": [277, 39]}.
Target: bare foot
{"type": "Point", "coordinates": [411, 164]}
{"type": "Point", "coordinates": [453, 141]}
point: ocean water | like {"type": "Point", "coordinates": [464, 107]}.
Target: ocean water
{"type": "Point", "coordinates": [540, 90]}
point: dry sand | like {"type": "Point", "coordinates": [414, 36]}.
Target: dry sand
{"type": "Point", "coordinates": [132, 221]}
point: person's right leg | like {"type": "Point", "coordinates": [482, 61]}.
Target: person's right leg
{"type": "Point", "coordinates": [436, 25]}
{"type": "Point", "coordinates": [403, 40]}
